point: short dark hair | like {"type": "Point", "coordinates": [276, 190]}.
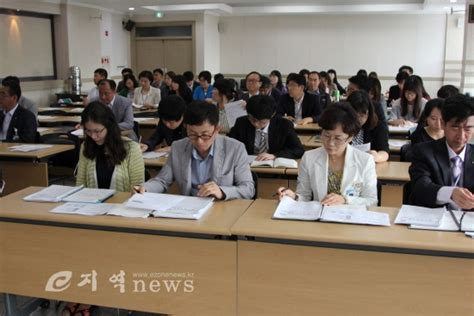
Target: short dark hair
{"type": "Point", "coordinates": [362, 104]}
{"type": "Point", "coordinates": [189, 75]}
{"type": "Point", "coordinates": [225, 87]}
{"type": "Point", "coordinates": [314, 72]}
{"type": "Point", "coordinates": [266, 83]}
{"type": "Point", "coordinates": [405, 67]}
{"type": "Point", "coordinates": [340, 113]}
{"type": "Point", "coordinates": [447, 91]}
{"type": "Point", "coordinates": [11, 78]}
{"type": "Point", "coordinates": [373, 74]}
{"type": "Point", "coordinates": [159, 70]}
{"type": "Point", "coordinates": [127, 70]}
{"type": "Point", "coordinates": [110, 82]}
{"type": "Point", "coordinates": [218, 76]}
{"type": "Point", "coordinates": [206, 75]}
{"type": "Point", "coordinates": [171, 108]}
{"type": "Point", "coordinates": [146, 74]}
{"type": "Point", "coordinates": [13, 88]}
{"type": "Point", "coordinates": [101, 114]}
{"type": "Point", "coordinates": [402, 76]}
{"type": "Point", "coordinates": [256, 73]}
{"type": "Point", "coordinates": [362, 72]}
{"type": "Point", "coordinates": [171, 74]}
{"type": "Point", "coordinates": [304, 72]}
{"type": "Point", "coordinates": [458, 107]}
{"type": "Point", "coordinates": [261, 107]}
{"type": "Point", "coordinates": [300, 80]}
{"type": "Point", "coordinates": [102, 72]}
{"type": "Point", "coordinates": [362, 82]}
{"type": "Point", "coordinates": [199, 112]}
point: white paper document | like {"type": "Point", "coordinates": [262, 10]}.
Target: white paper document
{"type": "Point", "coordinates": [418, 215]}
{"type": "Point", "coordinates": [470, 234]}
{"type": "Point", "coordinates": [397, 143]}
{"type": "Point", "coordinates": [83, 208]}
{"type": "Point", "coordinates": [277, 163]}
{"type": "Point", "coordinates": [467, 223]}
{"type": "Point", "coordinates": [447, 222]}
{"type": "Point", "coordinates": [154, 154]}
{"type": "Point", "coordinates": [89, 195]}
{"type": "Point", "coordinates": [405, 128]}
{"type": "Point", "coordinates": [354, 214]}
{"type": "Point", "coordinates": [299, 210]}
{"type": "Point", "coordinates": [141, 119]}
{"type": "Point", "coordinates": [78, 132]}
{"type": "Point", "coordinates": [233, 111]}
{"type": "Point", "coordinates": [28, 148]}
{"type": "Point", "coordinates": [53, 193]}
{"type": "Point", "coordinates": [170, 205]}
{"type": "Point", "coordinates": [124, 211]}
{"type": "Point", "coordinates": [364, 147]}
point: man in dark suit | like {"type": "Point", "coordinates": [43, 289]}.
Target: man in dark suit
{"type": "Point", "coordinates": [298, 105]}
{"type": "Point", "coordinates": [253, 82]}
{"type": "Point", "coordinates": [442, 171]}
{"type": "Point", "coordinates": [313, 88]}
{"type": "Point", "coordinates": [264, 134]}
{"type": "Point", "coordinates": [16, 123]}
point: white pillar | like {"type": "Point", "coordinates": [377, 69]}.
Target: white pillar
{"type": "Point", "coordinates": [467, 78]}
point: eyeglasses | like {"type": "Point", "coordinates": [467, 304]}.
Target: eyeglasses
{"type": "Point", "coordinates": [204, 137]}
{"type": "Point", "coordinates": [337, 140]}
{"type": "Point", "coordinates": [90, 132]}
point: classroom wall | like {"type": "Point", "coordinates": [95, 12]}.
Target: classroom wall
{"type": "Point", "coordinates": [454, 49]}
{"type": "Point", "coordinates": [467, 83]}
{"type": "Point", "coordinates": [378, 42]}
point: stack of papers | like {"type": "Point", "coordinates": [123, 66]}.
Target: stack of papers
{"type": "Point", "coordinates": [154, 154]}
{"type": "Point", "coordinates": [28, 148]}
{"type": "Point", "coordinates": [423, 216]}
{"type": "Point", "coordinates": [62, 193]}
{"type": "Point", "coordinates": [277, 163]}
{"type": "Point", "coordinates": [78, 132]}
{"type": "Point", "coordinates": [313, 211]}
{"type": "Point", "coordinates": [172, 206]}
{"type": "Point", "coordinates": [100, 209]}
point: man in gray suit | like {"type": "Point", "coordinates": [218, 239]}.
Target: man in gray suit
{"type": "Point", "coordinates": [121, 107]}
{"type": "Point", "coordinates": [205, 163]}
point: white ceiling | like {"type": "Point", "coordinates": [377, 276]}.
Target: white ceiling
{"type": "Point", "coordinates": [265, 7]}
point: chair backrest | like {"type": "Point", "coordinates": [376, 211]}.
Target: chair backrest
{"type": "Point", "coordinates": [406, 153]}
{"type": "Point", "coordinates": [255, 180]}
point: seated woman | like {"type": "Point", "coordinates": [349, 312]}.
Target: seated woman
{"type": "Point", "coordinates": [106, 160]}
{"type": "Point", "coordinates": [180, 87]}
{"type": "Point", "coordinates": [130, 84]}
{"type": "Point", "coordinates": [170, 127]}
{"type": "Point", "coordinates": [336, 173]}
{"type": "Point", "coordinates": [429, 127]}
{"type": "Point", "coordinates": [373, 131]}
{"type": "Point", "coordinates": [264, 134]}
{"type": "Point", "coordinates": [410, 105]}
{"type": "Point", "coordinates": [146, 96]}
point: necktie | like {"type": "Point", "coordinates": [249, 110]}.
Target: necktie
{"type": "Point", "coordinates": [261, 145]}
{"type": "Point", "coordinates": [456, 170]}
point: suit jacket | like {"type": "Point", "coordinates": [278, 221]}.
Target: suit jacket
{"type": "Point", "coordinates": [28, 105]}
{"type": "Point", "coordinates": [123, 111]}
{"type": "Point", "coordinates": [309, 108]}
{"type": "Point", "coordinates": [430, 170]}
{"type": "Point", "coordinates": [359, 180]}
{"type": "Point", "coordinates": [22, 125]}
{"type": "Point", "coordinates": [276, 94]}
{"type": "Point", "coordinates": [282, 138]}
{"type": "Point", "coordinates": [230, 169]}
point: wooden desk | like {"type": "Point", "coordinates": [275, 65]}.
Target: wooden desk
{"type": "Point", "coordinates": [314, 141]}
{"type": "Point", "coordinates": [35, 244]}
{"type": "Point", "coordinates": [21, 170]}
{"type": "Point", "coordinates": [311, 128]}
{"type": "Point", "coordinates": [303, 268]}
{"type": "Point", "coordinates": [47, 120]}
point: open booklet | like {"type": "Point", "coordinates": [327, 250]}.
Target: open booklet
{"type": "Point", "coordinates": [170, 205]}
{"type": "Point", "coordinates": [28, 148]}
{"type": "Point", "coordinates": [422, 216]}
{"type": "Point", "coordinates": [277, 163]}
{"type": "Point", "coordinates": [313, 211]}
{"type": "Point", "coordinates": [62, 193]}
{"type": "Point", "coordinates": [89, 209]}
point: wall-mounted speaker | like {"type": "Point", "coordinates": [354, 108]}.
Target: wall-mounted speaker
{"type": "Point", "coordinates": [128, 25]}
{"type": "Point", "coordinates": [471, 13]}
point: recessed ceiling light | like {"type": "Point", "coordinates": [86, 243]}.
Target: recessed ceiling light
{"type": "Point", "coordinates": [452, 1]}
{"type": "Point", "coordinates": [159, 14]}
{"type": "Point", "coordinates": [131, 8]}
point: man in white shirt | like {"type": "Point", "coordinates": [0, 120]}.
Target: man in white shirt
{"type": "Point", "coordinates": [99, 74]}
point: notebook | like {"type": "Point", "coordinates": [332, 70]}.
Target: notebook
{"type": "Point", "coordinates": [313, 211]}
{"type": "Point", "coordinates": [277, 163]}
{"type": "Point", "coordinates": [94, 209]}
{"type": "Point", "coordinates": [417, 215]}
{"type": "Point", "coordinates": [53, 193]}
{"type": "Point", "coordinates": [170, 205]}
{"type": "Point", "coordinates": [89, 195]}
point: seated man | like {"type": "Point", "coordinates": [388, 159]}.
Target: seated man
{"type": "Point", "coordinates": [253, 82]}
{"type": "Point", "coordinates": [442, 171]}
{"type": "Point", "coordinates": [267, 89]}
{"type": "Point", "coordinates": [24, 102]}
{"type": "Point", "coordinates": [314, 81]}
{"type": "Point", "coordinates": [205, 163]}
{"type": "Point", "coordinates": [264, 134]}
{"type": "Point", "coordinates": [16, 123]}
{"type": "Point", "coordinates": [170, 127]}
{"type": "Point", "coordinates": [298, 105]}
{"type": "Point", "coordinates": [204, 90]}
{"type": "Point", "coordinates": [99, 75]}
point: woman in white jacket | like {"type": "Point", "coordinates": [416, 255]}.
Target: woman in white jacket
{"type": "Point", "coordinates": [336, 173]}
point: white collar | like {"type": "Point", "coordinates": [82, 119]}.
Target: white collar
{"type": "Point", "coordinates": [452, 154]}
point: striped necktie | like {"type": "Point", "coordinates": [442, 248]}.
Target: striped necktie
{"type": "Point", "coordinates": [456, 170]}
